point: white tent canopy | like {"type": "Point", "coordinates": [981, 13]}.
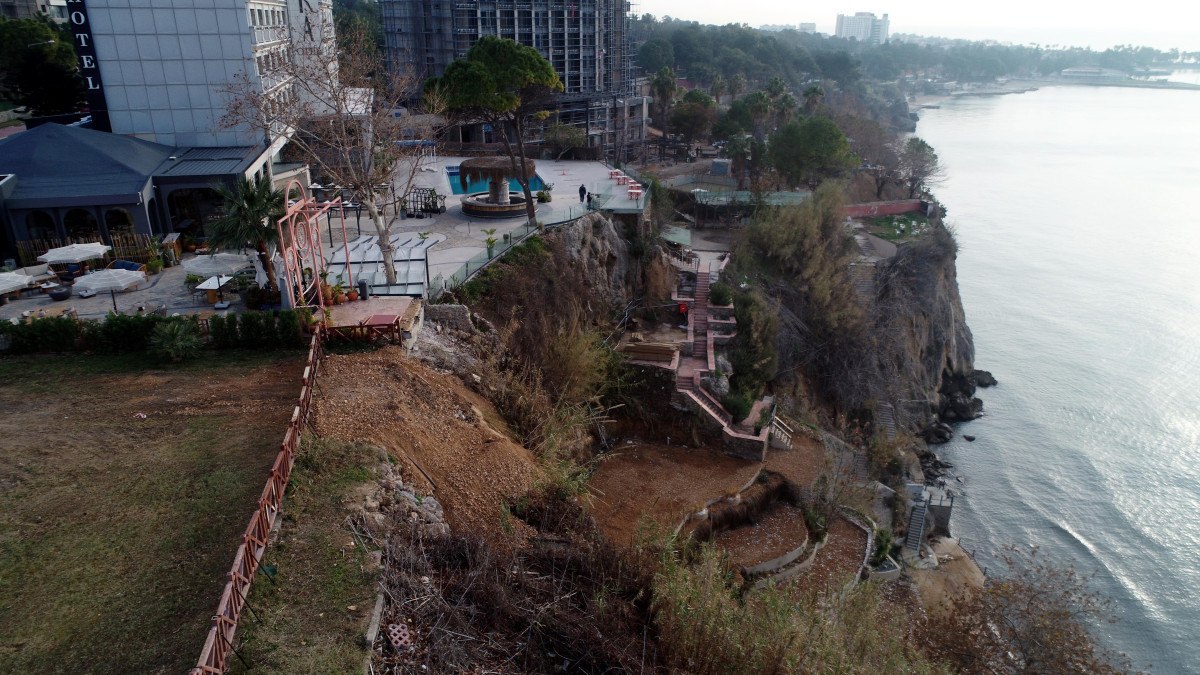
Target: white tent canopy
{"type": "Point", "coordinates": [111, 281]}
{"type": "Point", "coordinates": [217, 264]}
{"type": "Point", "coordinates": [74, 253]}
{"type": "Point", "coordinates": [11, 281]}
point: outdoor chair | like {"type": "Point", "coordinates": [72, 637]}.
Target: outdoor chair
{"type": "Point", "coordinates": [126, 265]}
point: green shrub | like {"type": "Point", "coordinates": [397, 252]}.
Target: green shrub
{"type": "Point", "coordinates": [126, 332]}
{"type": "Point", "coordinates": [288, 325]}
{"type": "Point", "coordinates": [738, 404]}
{"type": "Point", "coordinates": [175, 341]}
{"type": "Point", "coordinates": [57, 334]}
{"type": "Point", "coordinates": [223, 331]}
{"type": "Point", "coordinates": [257, 330]}
{"type": "Point", "coordinates": [720, 294]}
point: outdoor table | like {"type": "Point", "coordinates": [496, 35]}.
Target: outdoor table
{"type": "Point", "coordinates": [635, 192]}
{"type": "Point", "coordinates": [622, 180]}
{"type": "Point", "coordinates": [213, 285]}
{"type": "Point", "coordinates": [614, 173]}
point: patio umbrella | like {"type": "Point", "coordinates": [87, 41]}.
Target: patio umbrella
{"type": "Point", "coordinates": [111, 281]}
{"type": "Point", "coordinates": [74, 253]}
{"type": "Point", "coordinates": [11, 281]}
{"type": "Point", "coordinates": [216, 264]}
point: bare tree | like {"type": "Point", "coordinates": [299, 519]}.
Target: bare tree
{"type": "Point", "coordinates": [919, 168]}
{"type": "Point", "coordinates": [342, 115]}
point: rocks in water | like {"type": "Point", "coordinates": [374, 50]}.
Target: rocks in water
{"type": "Point", "coordinates": [933, 467]}
{"type": "Point", "coordinates": [968, 438]}
{"type": "Point", "coordinates": [960, 406]}
{"type": "Point", "coordinates": [983, 379]}
{"type": "Point", "coordinates": [939, 432]}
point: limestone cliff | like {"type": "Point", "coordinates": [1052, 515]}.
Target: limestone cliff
{"type": "Point", "coordinates": [924, 346]}
{"type": "Point", "coordinates": [615, 265]}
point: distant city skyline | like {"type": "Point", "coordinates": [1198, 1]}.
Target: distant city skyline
{"type": "Point", "coordinates": [1069, 23]}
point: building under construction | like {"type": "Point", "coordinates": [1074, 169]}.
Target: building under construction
{"type": "Point", "coordinates": [587, 42]}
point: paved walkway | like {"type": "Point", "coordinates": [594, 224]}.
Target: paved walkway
{"type": "Point", "coordinates": [165, 288]}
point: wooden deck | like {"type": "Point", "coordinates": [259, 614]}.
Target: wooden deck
{"type": "Point", "coordinates": [356, 313]}
{"type": "Point", "coordinates": [392, 318]}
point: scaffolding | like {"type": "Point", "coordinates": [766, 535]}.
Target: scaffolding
{"type": "Point", "coordinates": [586, 41]}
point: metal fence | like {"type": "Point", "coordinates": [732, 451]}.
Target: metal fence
{"type": "Point", "coordinates": [218, 644]}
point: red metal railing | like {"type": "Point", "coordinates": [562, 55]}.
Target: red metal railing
{"type": "Point", "coordinates": [250, 552]}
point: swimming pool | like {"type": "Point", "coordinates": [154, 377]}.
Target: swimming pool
{"type": "Point", "coordinates": [514, 185]}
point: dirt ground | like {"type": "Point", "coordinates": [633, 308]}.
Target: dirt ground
{"type": "Point", "coordinates": [661, 483]}
{"type": "Point", "coordinates": [779, 531]}
{"type": "Point", "coordinates": [955, 575]}
{"type": "Point", "coordinates": [837, 561]}
{"type": "Point", "coordinates": [124, 490]}
{"type": "Point", "coordinates": [800, 464]}
{"type": "Point", "coordinates": [448, 438]}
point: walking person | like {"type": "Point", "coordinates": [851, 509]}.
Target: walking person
{"type": "Point", "coordinates": [582, 193]}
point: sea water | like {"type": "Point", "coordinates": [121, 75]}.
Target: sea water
{"type": "Point", "coordinates": [1078, 214]}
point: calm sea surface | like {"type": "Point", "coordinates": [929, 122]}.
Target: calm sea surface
{"type": "Point", "coordinates": [1078, 213]}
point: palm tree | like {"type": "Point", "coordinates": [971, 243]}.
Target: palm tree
{"type": "Point", "coordinates": [664, 87]}
{"type": "Point", "coordinates": [812, 98]}
{"type": "Point", "coordinates": [718, 88]}
{"type": "Point", "coordinates": [737, 84]}
{"type": "Point", "coordinates": [251, 211]}
{"type": "Point", "coordinates": [783, 108]}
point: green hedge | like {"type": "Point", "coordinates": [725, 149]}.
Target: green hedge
{"type": "Point", "coordinates": [134, 333]}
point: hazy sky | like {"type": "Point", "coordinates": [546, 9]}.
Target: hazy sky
{"type": "Point", "coordinates": [1155, 23]}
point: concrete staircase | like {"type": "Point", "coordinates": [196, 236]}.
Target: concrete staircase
{"type": "Point", "coordinates": [916, 528]}
{"type": "Point", "coordinates": [886, 420]}
{"type": "Point", "coordinates": [700, 317]}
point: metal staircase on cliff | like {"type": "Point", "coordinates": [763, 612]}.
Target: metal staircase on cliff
{"type": "Point", "coordinates": [916, 528]}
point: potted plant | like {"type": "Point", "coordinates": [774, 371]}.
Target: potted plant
{"type": "Point", "coordinates": [352, 294]}
{"type": "Point", "coordinates": [490, 241]}
{"type": "Point", "coordinates": [339, 292]}
{"type": "Point", "coordinates": [154, 266]}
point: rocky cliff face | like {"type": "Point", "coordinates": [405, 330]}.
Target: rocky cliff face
{"type": "Point", "coordinates": [607, 262]}
{"type": "Point", "coordinates": [924, 345]}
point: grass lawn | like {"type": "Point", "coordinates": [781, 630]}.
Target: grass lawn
{"type": "Point", "coordinates": [116, 532]}
{"type": "Point", "coordinates": [898, 228]}
{"type": "Point", "coordinates": [311, 617]}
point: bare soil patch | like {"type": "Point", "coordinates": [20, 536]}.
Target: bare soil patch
{"type": "Point", "coordinates": [448, 438]}
{"type": "Point", "coordinates": [780, 530]}
{"type": "Point", "coordinates": [802, 463]}
{"type": "Point", "coordinates": [956, 575]}
{"type": "Point", "coordinates": [660, 483]}
{"type": "Point", "coordinates": [837, 561]}
{"type": "Point", "coordinates": [117, 531]}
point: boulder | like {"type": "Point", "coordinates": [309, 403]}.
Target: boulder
{"type": "Point", "coordinates": [983, 378]}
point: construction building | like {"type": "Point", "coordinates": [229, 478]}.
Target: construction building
{"type": "Point", "coordinates": [587, 42]}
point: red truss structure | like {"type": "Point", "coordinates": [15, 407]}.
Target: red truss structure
{"type": "Point", "coordinates": [304, 260]}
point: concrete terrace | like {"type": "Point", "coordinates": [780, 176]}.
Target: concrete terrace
{"type": "Point", "coordinates": [456, 238]}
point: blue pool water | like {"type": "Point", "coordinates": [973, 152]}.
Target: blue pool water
{"type": "Point", "coordinates": [514, 185]}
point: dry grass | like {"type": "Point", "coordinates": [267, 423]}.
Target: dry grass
{"type": "Point", "coordinates": [310, 618]}
{"type": "Point", "coordinates": [116, 532]}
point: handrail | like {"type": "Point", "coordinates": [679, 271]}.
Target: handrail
{"type": "Point", "coordinates": [219, 642]}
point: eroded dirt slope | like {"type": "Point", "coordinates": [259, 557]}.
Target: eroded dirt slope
{"type": "Point", "coordinates": [437, 429]}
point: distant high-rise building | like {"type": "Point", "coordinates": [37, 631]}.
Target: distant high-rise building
{"type": "Point", "coordinates": [808, 27]}
{"type": "Point", "coordinates": [587, 42]}
{"type": "Point", "coordinates": [864, 27]}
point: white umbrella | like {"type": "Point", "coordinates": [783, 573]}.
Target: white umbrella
{"type": "Point", "coordinates": [74, 253]}
{"type": "Point", "coordinates": [217, 264]}
{"type": "Point", "coordinates": [11, 281]}
{"type": "Point", "coordinates": [111, 281]}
